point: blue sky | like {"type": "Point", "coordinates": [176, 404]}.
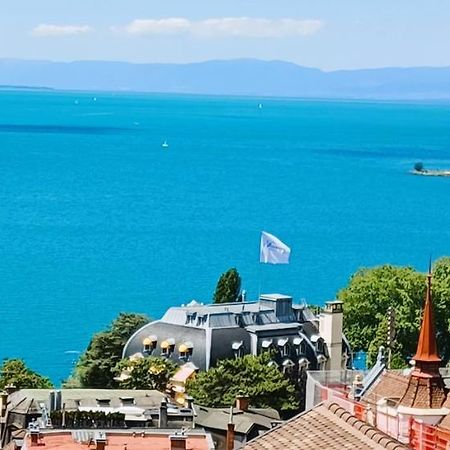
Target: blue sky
{"type": "Point", "coordinates": [329, 34]}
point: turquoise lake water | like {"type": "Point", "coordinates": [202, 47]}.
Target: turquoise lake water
{"type": "Point", "coordinates": [97, 218]}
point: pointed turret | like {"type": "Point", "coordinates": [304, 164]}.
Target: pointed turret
{"type": "Point", "coordinates": [426, 389]}
{"type": "Point", "coordinates": [427, 356]}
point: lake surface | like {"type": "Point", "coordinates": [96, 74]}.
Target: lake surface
{"type": "Point", "coordinates": [97, 218]}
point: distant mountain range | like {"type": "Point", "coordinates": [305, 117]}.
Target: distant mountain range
{"type": "Point", "coordinates": [231, 77]}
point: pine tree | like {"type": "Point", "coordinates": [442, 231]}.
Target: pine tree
{"type": "Point", "coordinates": [228, 287]}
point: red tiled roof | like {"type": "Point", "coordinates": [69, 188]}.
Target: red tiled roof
{"type": "Point", "coordinates": [325, 427]}
{"type": "Point", "coordinates": [391, 385]}
{"type": "Point", "coordinates": [119, 441]}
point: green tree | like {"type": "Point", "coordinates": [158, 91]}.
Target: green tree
{"type": "Point", "coordinates": [95, 368]}
{"type": "Point", "coordinates": [146, 373]}
{"type": "Point", "coordinates": [228, 287]}
{"type": "Point", "coordinates": [252, 376]}
{"type": "Point", "coordinates": [15, 372]}
{"type": "Point", "coordinates": [372, 291]}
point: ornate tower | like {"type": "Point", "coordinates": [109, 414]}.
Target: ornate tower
{"type": "Point", "coordinates": [426, 388]}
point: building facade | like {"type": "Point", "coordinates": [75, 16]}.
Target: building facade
{"type": "Point", "coordinates": [205, 334]}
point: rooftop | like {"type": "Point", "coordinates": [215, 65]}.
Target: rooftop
{"type": "Point", "coordinates": [196, 440]}
{"type": "Point", "coordinates": [327, 427]}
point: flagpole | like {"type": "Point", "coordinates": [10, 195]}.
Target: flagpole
{"type": "Point", "coordinates": [259, 280]}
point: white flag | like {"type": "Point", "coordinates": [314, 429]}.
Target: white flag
{"type": "Point", "coordinates": [273, 251]}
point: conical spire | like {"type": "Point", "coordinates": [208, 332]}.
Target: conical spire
{"type": "Point", "coordinates": [427, 346]}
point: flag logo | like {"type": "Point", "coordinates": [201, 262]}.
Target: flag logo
{"type": "Point", "coordinates": [273, 251]}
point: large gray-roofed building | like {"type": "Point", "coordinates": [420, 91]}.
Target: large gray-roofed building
{"type": "Point", "coordinates": [205, 334]}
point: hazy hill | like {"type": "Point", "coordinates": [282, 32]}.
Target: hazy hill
{"type": "Point", "coordinates": [233, 77]}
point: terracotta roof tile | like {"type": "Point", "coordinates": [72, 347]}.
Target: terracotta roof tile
{"type": "Point", "coordinates": [391, 385]}
{"type": "Point", "coordinates": [327, 426]}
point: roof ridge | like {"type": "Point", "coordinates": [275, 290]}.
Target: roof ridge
{"type": "Point", "coordinates": [368, 430]}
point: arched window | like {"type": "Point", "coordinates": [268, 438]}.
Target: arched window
{"type": "Point", "coordinates": [283, 345]}
{"type": "Point", "coordinates": [238, 349]}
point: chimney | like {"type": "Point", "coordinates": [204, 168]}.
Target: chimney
{"type": "Point", "coordinates": [100, 440]}
{"type": "Point", "coordinates": [330, 329]}
{"type": "Point", "coordinates": [3, 403]}
{"type": "Point", "coordinates": [242, 402]}
{"type": "Point", "coordinates": [163, 418]}
{"type": "Point", "coordinates": [230, 431]}
{"type": "Point", "coordinates": [178, 442]}
{"type": "Point", "coordinates": [34, 433]}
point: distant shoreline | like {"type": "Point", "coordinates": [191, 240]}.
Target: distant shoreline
{"type": "Point", "coordinates": [6, 87]}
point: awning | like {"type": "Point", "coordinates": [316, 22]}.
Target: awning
{"type": "Point", "coordinates": [297, 341]}
{"type": "Point", "coordinates": [168, 343]}
{"type": "Point", "coordinates": [266, 343]}
{"type": "Point", "coordinates": [314, 338]}
{"type": "Point", "coordinates": [147, 341]}
{"type": "Point", "coordinates": [237, 345]}
{"type": "Point", "coordinates": [182, 348]}
{"type": "Point", "coordinates": [282, 342]}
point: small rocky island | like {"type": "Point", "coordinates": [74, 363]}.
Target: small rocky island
{"type": "Point", "coordinates": [419, 169]}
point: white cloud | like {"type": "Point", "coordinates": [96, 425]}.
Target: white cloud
{"type": "Point", "coordinates": [226, 27]}
{"type": "Point", "coordinates": [47, 30]}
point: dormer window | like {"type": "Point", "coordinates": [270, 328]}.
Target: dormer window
{"type": "Point", "coordinates": [266, 345]}
{"type": "Point", "coordinates": [318, 343]}
{"type": "Point", "coordinates": [149, 344]}
{"type": "Point", "coordinates": [201, 320]}
{"type": "Point", "coordinates": [283, 345]}
{"type": "Point", "coordinates": [303, 365]}
{"type": "Point", "coordinates": [288, 367]}
{"type": "Point", "coordinates": [238, 349]}
{"type": "Point", "coordinates": [167, 347]}
{"type": "Point", "coordinates": [185, 350]}
{"type": "Point", "coordinates": [127, 401]}
{"type": "Point", "coordinates": [321, 362]}
{"type": "Point", "coordinates": [300, 346]}
{"type": "Point", "coordinates": [190, 318]}
{"type": "Point", "coordinates": [103, 402]}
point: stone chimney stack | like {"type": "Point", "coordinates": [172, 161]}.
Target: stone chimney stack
{"type": "Point", "coordinates": [330, 329]}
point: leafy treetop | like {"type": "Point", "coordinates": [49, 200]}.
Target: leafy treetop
{"type": "Point", "coordinates": [15, 372]}
{"type": "Point", "coordinates": [372, 291]}
{"type": "Point", "coordinates": [147, 373]}
{"type": "Point", "coordinates": [95, 368]}
{"type": "Point", "coordinates": [250, 375]}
